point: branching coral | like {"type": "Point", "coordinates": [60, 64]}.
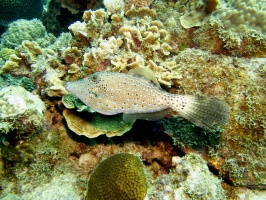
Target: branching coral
{"type": "Point", "coordinates": [236, 28]}
{"type": "Point", "coordinates": [243, 15]}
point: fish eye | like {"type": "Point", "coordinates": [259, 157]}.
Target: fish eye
{"type": "Point", "coordinates": [95, 78]}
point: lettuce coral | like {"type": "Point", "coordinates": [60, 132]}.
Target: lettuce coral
{"type": "Point", "coordinates": [96, 124]}
{"type": "Point", "coordinates": [123, 44]}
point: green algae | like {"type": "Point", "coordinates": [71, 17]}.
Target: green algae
{"type": "Point", "coordinates": [185, 133]}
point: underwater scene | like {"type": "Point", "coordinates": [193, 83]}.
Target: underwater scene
{"type": "Point", "coordinates": [133, 99]}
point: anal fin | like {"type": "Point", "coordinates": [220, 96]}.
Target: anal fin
{"type": "Point", "coordinates": [145, 116]}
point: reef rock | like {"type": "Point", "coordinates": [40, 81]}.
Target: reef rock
{"type": "Point", "coordinates": [20, 111]}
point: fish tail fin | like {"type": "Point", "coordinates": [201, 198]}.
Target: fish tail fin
{"type": "Point", "coordinates": [204, 112]}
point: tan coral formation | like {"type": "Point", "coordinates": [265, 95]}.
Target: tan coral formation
{"type": "Point", "coordinates": [233, 28]}
{"type": "Point", "coordinates": [136, 3]}
{"type": "Point", "coordinates": [131, 44]}
{"type": "Point", "coordinates": [114, 6]}
{"type": "Point", "coordinates": [194, 15]}
{"type": "Point", "coordinates": [32, 48]}
{"type": "Point", "coordinates": [13, 65]}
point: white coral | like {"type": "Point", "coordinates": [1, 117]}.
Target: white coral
{"type": "Point", "coordinates": [15, 100]}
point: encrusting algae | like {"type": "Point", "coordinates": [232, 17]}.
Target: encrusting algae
{"type": "Point", "coordinates": [111, 93]}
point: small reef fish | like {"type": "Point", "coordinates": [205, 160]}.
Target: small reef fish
{"type": "Point", "coordinates": [138, 96]}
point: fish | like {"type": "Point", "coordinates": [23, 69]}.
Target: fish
{"type": "Point", "coordinates": [138, 95]}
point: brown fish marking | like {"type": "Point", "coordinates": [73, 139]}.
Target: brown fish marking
{"type": "Point", "coordinates": [110, 93]}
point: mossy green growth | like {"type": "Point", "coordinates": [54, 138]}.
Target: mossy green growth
{"type": "Point", "coordinates": [8, 80]}
{"type": "Point", "coordinates": [20, 30]}
{"type": "Point", "coordinates": [120, 176]}
{"type": "Point", "coordinates": [186, 133]}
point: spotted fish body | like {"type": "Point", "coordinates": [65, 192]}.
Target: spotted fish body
{"type": "Point", "coordinates": [110, 93]}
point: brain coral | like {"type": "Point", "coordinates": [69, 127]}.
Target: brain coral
{"type": "Point", "coordinates": [11, 10]}
{"type": "Point", "coordinates": [120, 176]}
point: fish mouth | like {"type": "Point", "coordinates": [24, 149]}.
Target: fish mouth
{"type": "Point", "coordinates": [67, 86]}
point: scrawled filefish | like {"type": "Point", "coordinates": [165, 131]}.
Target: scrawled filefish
{"type": "Point", "coordinates": [110, 93]}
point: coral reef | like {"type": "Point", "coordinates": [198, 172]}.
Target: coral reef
{"type": "Point", "coordinates": [59, 14]}
{"type": "Point", "coordinates": [211, 35]}
{"type": "Point", "coordinates": [114, 6]}
{"type": "Point", "coordinates": [96, 124]}
{"type": "Point", "coordinates": [7, 80]}
{"type": "Point", "coordinates": [194, 15]}
{"type": "Point", "coordinates": [240, 82]}
{"type": "Point", "coordinates": [208, 60]}
{"type": "Point", "coordinates": [120, 176]}
{"type": "Point", "coordinates": [243, 15]}
{"type": "Point", "coordinates": [236, 28]}
{"type": "Point", "coordinates": [14, 65]}
{"type": "Point", "coordinates": [133, 45]}
{"type": "Point", "coordinates": [11, 10]}
{"type": "Point", "coordinates": [20, 30]}
{"type": "Point", "coordinates": [136, 4]}
{"type": "Point", "coordinates": [21, 112]}
{"type": "Point", "coordinates": [79, 5]}
{"type": "Point", "coordinates": [62, 187]}
{"type": "Point", "coordinates": [6, 52]}
{"type": "Point", "coordinates": [21, 153]}
{"type": "Point", "coordinates": [190, 178]}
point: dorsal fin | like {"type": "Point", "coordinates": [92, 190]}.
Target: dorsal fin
{"type": "Point", "coordinates": [146, 74]}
